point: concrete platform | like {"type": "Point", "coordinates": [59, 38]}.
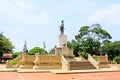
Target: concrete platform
{"type": "Point", "coordinates": [58, 71]}
{"type": "Point", "coordinates": [83, 71]}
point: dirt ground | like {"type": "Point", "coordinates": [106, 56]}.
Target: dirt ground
{"type": "Point", "coordinates": [51, 76]}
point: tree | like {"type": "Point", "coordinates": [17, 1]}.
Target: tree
{"type": "Point", "coordinates": [16, 54]}
{"type": "Point", "coordinates": [83, 54]}
{"type": "Point", "coordinates": [112, 49]}
{"type": "Point", "coordinates": [75, 45]}
{"type": "Point", "coordinates": [117, 59]}
{"type": "Point", "coordinates": [36, 50]}
{"type": "Point", "coordinates": [90, 39]}
{"type": "Point", "coordinates": [52, 51]}
{"type": "Point", "coordinates": [90, 46]}
{"type": "Point", "coordinates": [6, 45]}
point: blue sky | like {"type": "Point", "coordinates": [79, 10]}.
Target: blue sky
{"type": "Point", "coordinates": [37, 21]}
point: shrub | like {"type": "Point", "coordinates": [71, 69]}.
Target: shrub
{"type": "Point", "coordinates": [16, 54]}
{"type": "Point", "coordinates": [117, 59]}
{"type": "Point", "coordinates": [13, 62]}
{"type": "Point", "coordinates": [83, 54]}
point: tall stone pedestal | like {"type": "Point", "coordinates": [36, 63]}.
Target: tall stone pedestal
{"type": "Point", "coordinates": [62, 48]}
{"type": "Point", "coordinates": [61, 40]}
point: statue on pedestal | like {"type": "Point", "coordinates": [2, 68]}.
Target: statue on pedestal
{"type": "Point", "coordinates": [62, 27]}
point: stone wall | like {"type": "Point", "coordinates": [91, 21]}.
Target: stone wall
{"type": "Point", "coordinates": [37, 62]}
{"type": "Point", "coordinates": [27, 62]}
{"type": "Point", "coordinates": [101, 58]}
{"type": "Point", "coordinates": [47, 62]}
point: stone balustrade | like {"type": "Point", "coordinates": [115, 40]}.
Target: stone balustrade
{"type": "Point", "coordinates": [27, 62]}
{"type": "Point", "coordinates": [65, 63]}
{"type": "Point", "coordinates": [99, 61]}
{"type": "Point", "coordinates": [37, 62]}
{"type": "Point", "coordinates": [101, 58]}
{"type": "Point", "coordinates": [8, 65]}
{"type": "Point", "coordinates": [47, 62]}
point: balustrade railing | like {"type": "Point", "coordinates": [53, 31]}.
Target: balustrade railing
{"type": "Point", "coordinates": [93, 61]}
{"type": "Point", "coordinates": [65, 63]}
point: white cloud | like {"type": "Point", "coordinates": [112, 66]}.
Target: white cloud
{"type": "Point", "coordinates": [110, 15]}
{"type": "Point", "coordinates": [15, 5]}
{"type": "Point", "coordinates": [4, 5]}
{"type": "Point", "coordinates": [24, 6]}
{"type": "Point", "coordinates": [22, 12]}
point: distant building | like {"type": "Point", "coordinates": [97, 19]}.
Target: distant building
{"type": "Point", "coordinates": [6, 56]}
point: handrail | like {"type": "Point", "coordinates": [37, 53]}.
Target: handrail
{"type": "Point", "coordinates": [18, 57]}
{"type": "Point", "coordinates": [93, 61]}
{"type": "Point", "coordinates": [65, 64]}
{"type": "Point", "coordinates": [8, 65]}
{"type": "Point", "coordinates": [63, 58]}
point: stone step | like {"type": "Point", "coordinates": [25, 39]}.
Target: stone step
{"type": "Point", "coordinates": [78, 65]}
{"type": "Point", "coordinates": [80, 68]}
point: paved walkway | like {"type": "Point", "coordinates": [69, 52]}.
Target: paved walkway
{"type": "Point", "coordinates": [51, 76]}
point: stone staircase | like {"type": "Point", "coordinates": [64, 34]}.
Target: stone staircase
{"type": "Point", "coordinates": [81, 65]}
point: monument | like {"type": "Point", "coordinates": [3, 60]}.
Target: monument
{"type": "Point", "coordinates": [61, 38]}
{"type": "Point", "coordinates": [63, 59]}
{"type": "Point", "coordinates": [62, 48]}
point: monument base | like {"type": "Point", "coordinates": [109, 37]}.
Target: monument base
{"type": "Point", "coordinates": [61, 41]}
{"type": "Point", "coordinates": [64, 51]}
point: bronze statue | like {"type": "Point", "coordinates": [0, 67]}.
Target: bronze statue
{"type": "Point", "coordinates": [62, 27]}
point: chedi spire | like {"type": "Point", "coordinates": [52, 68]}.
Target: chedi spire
{"type": "Point", "coordinates": [25, 50]}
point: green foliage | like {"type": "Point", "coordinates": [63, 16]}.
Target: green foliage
{"type": "Point", "coordinates": [35, 50]}
{"type": "Point", "coordinates": [89, 39]}
{"type": "Point", "coordinates": [52, 51]}
{"type": "Point", "coordinates": [117, 59]}
{"type": "Point", "coordinates": [16, 54]}
{"type": "Point", "coordinates": [5, 45]}
{"type": "Point", "coordinates": [69, 44]}
{"type": "Point", "coordinates": [90, 46]}
{"type": "Point", "coordinates": [94, 31]}
{"type": "Point", "coordinates": [13, 62]}
{"type": "Point", "coordinates": [112, 49]}
{"type": "Point", "coordinates": [75, 45]}
{"type": "Point", "coordinates": [83, 54]}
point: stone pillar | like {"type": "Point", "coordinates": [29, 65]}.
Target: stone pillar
{"type": "Point", "coordinates": [61, 41]}
{"type": "Point", "coordinates": [58, 51]}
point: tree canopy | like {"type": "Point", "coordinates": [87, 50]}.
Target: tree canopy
{"type": "Point", "coordinates": [6, 45]}
{"type": "Point", "coordinates": [89, 39]}
{"type": "Point", "coordinates": [36, 50]}
{"type": "Point", "coordinates": [16, 54]}
{"type": "Point", "coordinates": [112, 49]}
